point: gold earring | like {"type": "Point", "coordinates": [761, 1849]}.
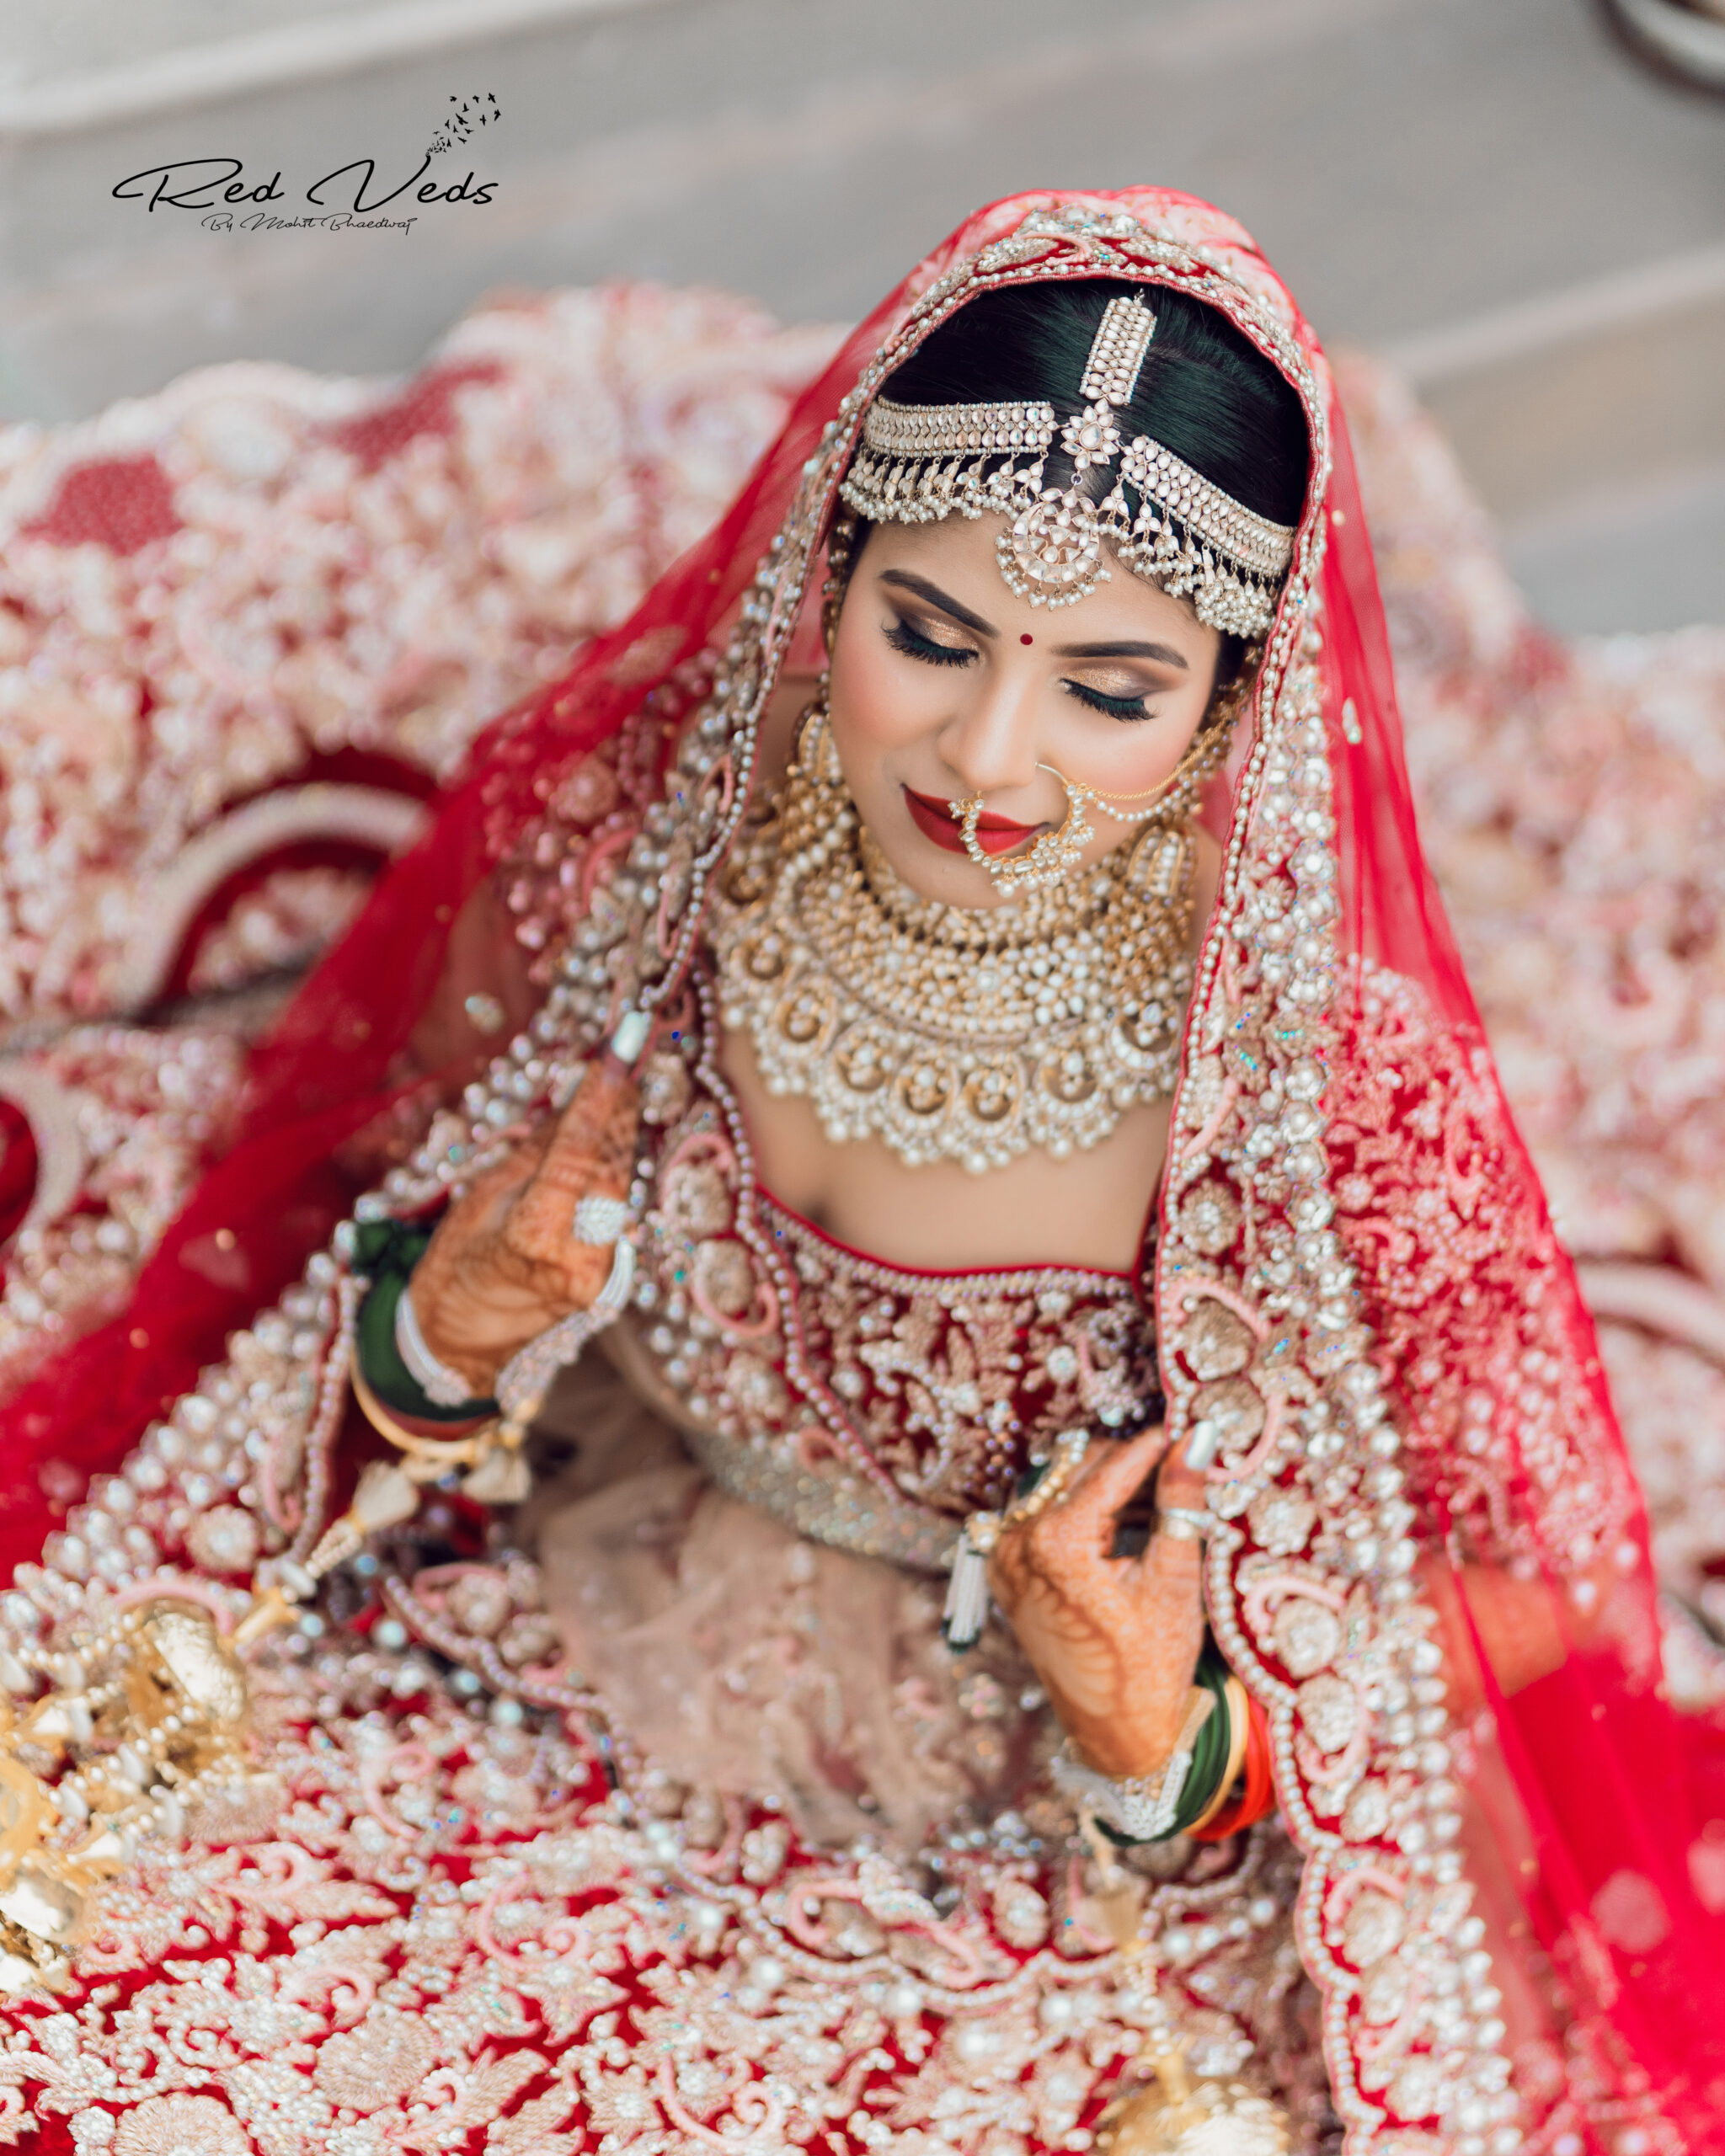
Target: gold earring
{"type": "Point", "coordinates": [813, 750]}
{"type": "Point", "coordinates": [840, 547]}
{"type": "Point", "coordinates": [817, 810]}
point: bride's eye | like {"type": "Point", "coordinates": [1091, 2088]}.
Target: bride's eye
{"type": "Point", "coordinates": [1128, 707]}
{"type": "Point", "coordinates": [902, 637]}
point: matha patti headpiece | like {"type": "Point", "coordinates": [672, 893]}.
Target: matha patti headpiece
{"type": "Point", "coordinates": [919, 463]}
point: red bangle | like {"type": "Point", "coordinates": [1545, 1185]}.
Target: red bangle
{"type": "Point", "coordinates": [1257, 1796]}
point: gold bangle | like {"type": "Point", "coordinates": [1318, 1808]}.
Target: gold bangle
{"type": "Point", "coordinates": [440, 1453]}
{"type": "Point", "coordinates": [1239, 1735]}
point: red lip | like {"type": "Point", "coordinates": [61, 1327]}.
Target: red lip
{"type": "Point", "coordinates": [934, 818]}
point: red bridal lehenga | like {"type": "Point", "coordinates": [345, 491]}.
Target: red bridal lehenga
{"type": "Point", "coordinates": [655, 1816]}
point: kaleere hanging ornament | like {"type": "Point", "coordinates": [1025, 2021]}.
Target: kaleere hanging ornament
{"type": "Point", "coordinates": [1166, 2109]}
{"type": "Point", "coordinates": [144, 1715]}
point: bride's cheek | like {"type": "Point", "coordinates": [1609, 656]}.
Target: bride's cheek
{"type": "Point", "coordinates": [882, 701]}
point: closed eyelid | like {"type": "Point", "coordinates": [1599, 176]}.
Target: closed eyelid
{"type": "Point", "coordinates": [930, 629]}
{"type": "Point", "coordinates": [1114, 706]}
{"type": "Point", "coordinates": [1117, 680]}
{"type": "Point", "coordinates": [905, 637]}
{"type": "Point", "coordinates": [926, 620]}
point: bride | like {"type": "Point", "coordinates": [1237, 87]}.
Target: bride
{"type": "Point", "coordinates": [966, 1505]}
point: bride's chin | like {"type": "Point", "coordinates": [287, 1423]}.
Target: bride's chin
{"type": "Point", "coordinates": [928, 871]}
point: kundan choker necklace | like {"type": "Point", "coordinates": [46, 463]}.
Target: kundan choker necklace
{"type": "Point", "coordinates": [951, 1033]}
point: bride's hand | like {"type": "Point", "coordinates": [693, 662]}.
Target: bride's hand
{"type": "Point", "coordinates": [503, 1264]}
{"type": "Point", "coordinates": [1115, 1640]}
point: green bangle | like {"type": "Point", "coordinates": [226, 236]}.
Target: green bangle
{"type": "Point", "coordinates": [1213, 1744]}
{"type": "Point", "coordinates": [1211, 1750]}
{"type": "Point", "coordinates": [387, 1252]}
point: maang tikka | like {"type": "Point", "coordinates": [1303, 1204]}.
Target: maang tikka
{"type": "Point", "coordinates": [919, 463]}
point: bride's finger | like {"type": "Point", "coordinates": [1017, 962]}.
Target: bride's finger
{"type": "Point", "coordinates": [594, 1135]}
{"type": "Point", "coordinates": [1178, 1483]}
{"type": "Point", "coordinates": [591, 1156]}
{"type": "Point", "coordinates": [1112, 1474]}
{"type": "Point", "coordinates": [1080, 1525]}
{"type": "Point", "coordinates": [482, 1207]}
{"type": "Point", "coordinates": [1173, 1554]}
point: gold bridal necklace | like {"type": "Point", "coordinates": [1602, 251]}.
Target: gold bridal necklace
{"type": "Point", "coordinates": [953, 1032]}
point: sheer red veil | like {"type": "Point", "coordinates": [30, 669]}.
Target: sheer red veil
{"type": "Point", "coordinates": [1356, 1284]}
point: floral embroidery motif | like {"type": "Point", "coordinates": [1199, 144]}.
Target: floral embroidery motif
{"type": "Point", "coordinates": [803, 1356]}
{"type": "Point", "coordinates": [414, 1927]}
{"type": "Point", "coordinates": [1420, 1219]}
{"type": "Point", "coordinates": [123, 1120]}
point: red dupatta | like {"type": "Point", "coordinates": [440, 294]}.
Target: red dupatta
{"type": "Point", "coordinates": [1432, 1570]}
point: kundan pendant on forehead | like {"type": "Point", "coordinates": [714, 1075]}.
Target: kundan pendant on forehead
{"type": "Point", "coordinates": [919, 463]}
{"type": "Point", "coordinates": [1117, 352]}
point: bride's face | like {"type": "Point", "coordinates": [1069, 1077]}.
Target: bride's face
{"type": "Point", "coordinates": [945, 685]}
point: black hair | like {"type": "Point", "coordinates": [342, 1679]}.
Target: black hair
{"type": "Point", "coordinates": [1205, 391]}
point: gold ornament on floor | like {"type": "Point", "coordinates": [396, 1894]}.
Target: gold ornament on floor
{"type": "Point", "coordinates": [964, 1033]}
{"type": "Point", "coordinates": [144, 1716]}
{"type": "Point", "coordinates": [1169, 2111]}
{"type": "Point", "coordinates": [1179, 2115]}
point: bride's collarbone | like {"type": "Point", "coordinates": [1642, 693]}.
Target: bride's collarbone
{"type": "Point", "coordinates": [1087, 1210]}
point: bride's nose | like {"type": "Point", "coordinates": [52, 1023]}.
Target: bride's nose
{"type": "Point", "coordinates": [992, 745]}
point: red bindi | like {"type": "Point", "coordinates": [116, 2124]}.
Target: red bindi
{"type": "Point", "coordinates": [1027, 637]}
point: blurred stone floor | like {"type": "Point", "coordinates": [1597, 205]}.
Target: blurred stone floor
{"type": "Point", "coordinates": [1497, 195]}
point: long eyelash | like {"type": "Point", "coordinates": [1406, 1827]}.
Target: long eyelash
{"type": "Point", "coordinates": [914, 645]}
{"type": "Point", "coordinates": [1126, 707]}
{"type": "Point", "coordinates": [903, 638]}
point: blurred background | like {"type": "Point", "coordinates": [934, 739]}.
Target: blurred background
{"type": "Point", "coordinates": [1508, 202]}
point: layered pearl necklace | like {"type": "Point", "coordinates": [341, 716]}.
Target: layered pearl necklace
{"type": "Point", "coordinates": [951, 1032]}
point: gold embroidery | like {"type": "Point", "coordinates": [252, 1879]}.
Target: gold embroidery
{"type": "Point", "coordinates": [388, 1965]}
{"type": "Point", "coordinates": [870, 1406]}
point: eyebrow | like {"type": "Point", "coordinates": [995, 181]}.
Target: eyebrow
{"type": "Point", "coordinates": [903, 580]}
{"type": "Point", "coordinates": [1165, 653]}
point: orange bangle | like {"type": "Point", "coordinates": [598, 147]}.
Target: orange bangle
{"type": "Point", "coordinates": [1258, 1796]}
